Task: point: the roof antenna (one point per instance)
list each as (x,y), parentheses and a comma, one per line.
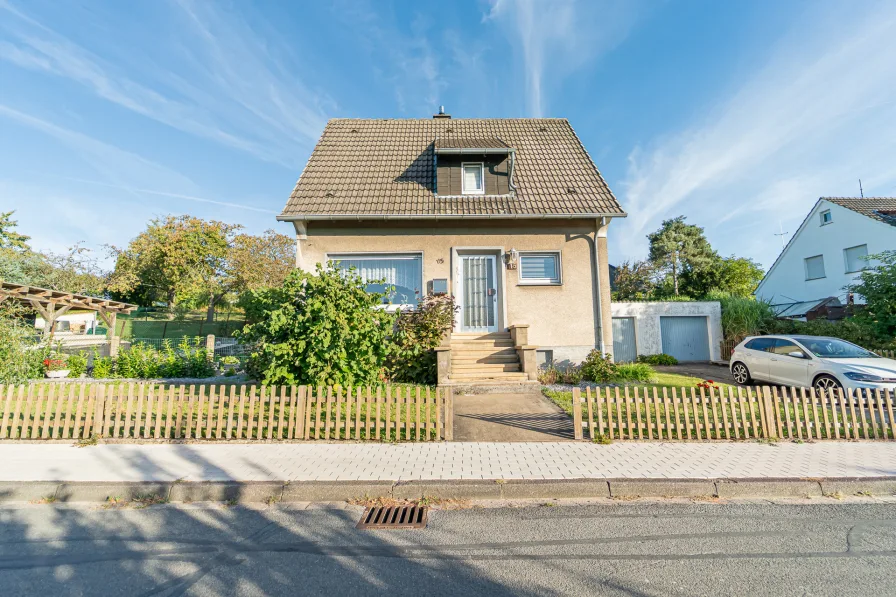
(782,234)
(861,192)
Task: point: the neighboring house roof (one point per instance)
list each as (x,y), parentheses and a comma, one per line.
(882,209)
(386,168)
(800,309)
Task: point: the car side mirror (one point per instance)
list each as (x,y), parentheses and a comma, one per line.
(796,354)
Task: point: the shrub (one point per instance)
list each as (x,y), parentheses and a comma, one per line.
(411,357)
(598,367)
(549,375)
(77,364)
(103,367)
(320,328)
(572,375)
(21,353)
(633,372)
(657,359)
(744,316)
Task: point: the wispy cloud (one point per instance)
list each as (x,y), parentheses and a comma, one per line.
(556,39)
(227,84)
(815,117)
(406,60)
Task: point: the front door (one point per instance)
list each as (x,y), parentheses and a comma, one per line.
(477,293)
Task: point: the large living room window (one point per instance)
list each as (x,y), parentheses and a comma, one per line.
(398,275)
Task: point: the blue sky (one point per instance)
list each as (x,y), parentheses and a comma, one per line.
(737,114)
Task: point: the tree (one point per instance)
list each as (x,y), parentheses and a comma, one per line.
(678,247)
(877,285)
(185,258)
(634,280)
(9,238)
(262,261)
(738,276)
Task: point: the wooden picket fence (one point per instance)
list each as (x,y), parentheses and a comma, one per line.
(732,414)
(151,411)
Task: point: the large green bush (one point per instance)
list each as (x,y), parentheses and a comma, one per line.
(877,285)
(320,328)
(598,367)
(21,354)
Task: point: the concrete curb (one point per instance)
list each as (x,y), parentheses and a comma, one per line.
(486,489)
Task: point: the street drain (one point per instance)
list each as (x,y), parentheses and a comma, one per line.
(394,517)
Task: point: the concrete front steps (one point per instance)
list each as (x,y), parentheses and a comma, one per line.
(485,359)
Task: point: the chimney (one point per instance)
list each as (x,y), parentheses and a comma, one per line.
(441,113)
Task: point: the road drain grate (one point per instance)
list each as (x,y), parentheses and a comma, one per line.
(394,517)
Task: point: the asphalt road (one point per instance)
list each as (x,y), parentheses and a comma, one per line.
(829,548)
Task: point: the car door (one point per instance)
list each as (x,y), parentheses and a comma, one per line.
(756,357)
(787,369)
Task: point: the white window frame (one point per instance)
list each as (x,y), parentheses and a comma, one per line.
(539,281)
(391,308)
(821,217)
(823,267)
(862,267)
(463,178)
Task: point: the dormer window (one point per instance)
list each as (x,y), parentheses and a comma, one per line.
(826,217)
(472,183)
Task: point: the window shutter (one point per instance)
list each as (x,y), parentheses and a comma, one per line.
(854,261)
(544,267)
(815,267)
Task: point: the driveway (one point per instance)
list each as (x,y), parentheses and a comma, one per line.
(704,371)
(526,417)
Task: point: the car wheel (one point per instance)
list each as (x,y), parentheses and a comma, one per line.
(823,383)
(741,374)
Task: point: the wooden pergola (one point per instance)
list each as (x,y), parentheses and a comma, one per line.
(50,304)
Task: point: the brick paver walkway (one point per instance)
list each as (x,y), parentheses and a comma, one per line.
(543,460)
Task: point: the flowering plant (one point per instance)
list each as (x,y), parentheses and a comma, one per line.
(54,364)
(705,385)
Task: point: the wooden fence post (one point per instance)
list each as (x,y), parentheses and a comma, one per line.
(577,413)
(449,414)
(210,347)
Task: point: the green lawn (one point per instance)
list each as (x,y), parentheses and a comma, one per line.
(563,399)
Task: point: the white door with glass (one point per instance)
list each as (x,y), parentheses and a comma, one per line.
(477,293)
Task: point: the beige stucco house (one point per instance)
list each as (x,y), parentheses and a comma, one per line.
(508,215)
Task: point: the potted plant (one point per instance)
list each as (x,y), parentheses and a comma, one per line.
(56,367)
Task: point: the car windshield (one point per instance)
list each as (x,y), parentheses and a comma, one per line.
(831,348)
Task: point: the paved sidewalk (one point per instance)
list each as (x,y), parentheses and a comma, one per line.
(368,462)
(523,417)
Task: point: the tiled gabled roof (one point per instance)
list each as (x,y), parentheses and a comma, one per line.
(383,168)
(882,209)
(455,142)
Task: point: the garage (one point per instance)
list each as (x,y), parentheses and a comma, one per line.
(685,337)
(624,348)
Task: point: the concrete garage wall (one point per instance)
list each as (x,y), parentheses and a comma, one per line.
(647,322)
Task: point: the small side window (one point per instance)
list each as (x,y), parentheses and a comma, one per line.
(472,183)
(540,268)
(826,217)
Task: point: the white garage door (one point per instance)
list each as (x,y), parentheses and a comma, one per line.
(685,338)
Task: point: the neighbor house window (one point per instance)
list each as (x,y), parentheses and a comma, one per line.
(826,217)
(815,267)
(397,275)
(473,181)
(540,268)
(854,258)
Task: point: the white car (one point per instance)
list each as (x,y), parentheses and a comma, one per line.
(810,361)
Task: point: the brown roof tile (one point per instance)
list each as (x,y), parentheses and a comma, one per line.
(882,209)
(386,167)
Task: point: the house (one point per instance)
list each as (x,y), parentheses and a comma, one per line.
(826,254)
(510,216)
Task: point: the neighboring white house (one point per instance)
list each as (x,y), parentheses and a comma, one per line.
(825,254)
